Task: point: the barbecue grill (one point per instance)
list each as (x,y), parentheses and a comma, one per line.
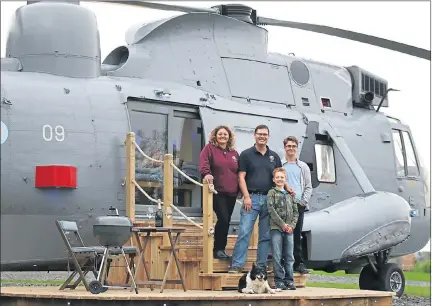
(112,232)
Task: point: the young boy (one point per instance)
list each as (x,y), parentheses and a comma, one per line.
(283,218)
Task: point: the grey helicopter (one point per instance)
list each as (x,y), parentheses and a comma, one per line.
(172,83)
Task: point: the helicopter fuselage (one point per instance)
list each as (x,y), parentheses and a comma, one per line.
(175,81)
(82,123)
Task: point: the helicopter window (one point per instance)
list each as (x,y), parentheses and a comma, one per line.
(412,168)
(151,132)
(186,144)
(151,137)
(325,163)
(397,144)
(325,102)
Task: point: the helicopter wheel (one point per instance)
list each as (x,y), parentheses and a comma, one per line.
(96,287)
(368,279)
(391,278)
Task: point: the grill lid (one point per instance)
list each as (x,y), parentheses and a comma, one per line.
(113,219)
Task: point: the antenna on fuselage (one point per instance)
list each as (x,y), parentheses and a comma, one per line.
(385,96)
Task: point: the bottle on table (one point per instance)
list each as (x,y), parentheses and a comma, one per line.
(159,215)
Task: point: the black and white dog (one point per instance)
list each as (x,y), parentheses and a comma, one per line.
(255,281)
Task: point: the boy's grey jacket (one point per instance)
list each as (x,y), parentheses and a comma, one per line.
(305,181)
(282,209)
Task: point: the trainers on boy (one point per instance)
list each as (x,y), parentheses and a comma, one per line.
(281,286)
(291,286)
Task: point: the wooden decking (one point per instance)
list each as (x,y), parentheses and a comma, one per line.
(37,296)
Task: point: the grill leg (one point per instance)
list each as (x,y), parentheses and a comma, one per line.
(108,270)
(134,286)
(102,266)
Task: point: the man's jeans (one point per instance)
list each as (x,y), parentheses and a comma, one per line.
(247,221)
(283,240)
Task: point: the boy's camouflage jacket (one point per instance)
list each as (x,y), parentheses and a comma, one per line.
(282,209)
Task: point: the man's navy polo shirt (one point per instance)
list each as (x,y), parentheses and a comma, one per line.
(259,168)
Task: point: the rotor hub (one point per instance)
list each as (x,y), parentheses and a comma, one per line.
(238,11)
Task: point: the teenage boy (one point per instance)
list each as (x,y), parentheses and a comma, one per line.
(283,218)
(299,178)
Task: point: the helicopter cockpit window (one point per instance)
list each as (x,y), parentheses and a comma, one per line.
(326,171)
(397,145)
(412,167)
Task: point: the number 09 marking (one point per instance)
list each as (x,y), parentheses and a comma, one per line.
(47,133)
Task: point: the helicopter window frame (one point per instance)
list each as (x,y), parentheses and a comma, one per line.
(173,111)
(329,155)
(399,151)
(408,139)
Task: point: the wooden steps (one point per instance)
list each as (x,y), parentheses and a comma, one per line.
(190,252)
(219,266)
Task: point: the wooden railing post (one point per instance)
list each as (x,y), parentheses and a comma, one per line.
(207,223)
(168,191)
(130,175)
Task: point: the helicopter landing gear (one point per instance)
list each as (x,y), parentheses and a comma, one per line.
(382,276)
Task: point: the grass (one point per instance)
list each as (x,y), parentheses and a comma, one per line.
(409,290)
(411,276)
(423,266)
(33,282)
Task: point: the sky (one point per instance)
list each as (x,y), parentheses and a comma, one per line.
(406,22)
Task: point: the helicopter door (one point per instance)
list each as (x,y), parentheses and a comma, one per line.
(161,129)
(407,167)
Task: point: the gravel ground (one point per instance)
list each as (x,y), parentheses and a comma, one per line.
(403,301)
(354,280)
(411,301)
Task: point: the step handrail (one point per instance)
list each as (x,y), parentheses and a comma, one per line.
(168,187)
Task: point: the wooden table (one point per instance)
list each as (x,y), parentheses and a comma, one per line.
(170,230)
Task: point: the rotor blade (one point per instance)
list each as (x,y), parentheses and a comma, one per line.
(161,6)
(372,40)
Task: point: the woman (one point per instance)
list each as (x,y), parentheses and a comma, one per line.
(219,166)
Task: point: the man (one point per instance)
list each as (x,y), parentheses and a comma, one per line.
(299,178)
(256,166)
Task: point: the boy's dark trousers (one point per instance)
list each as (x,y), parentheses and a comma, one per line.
(298,256)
